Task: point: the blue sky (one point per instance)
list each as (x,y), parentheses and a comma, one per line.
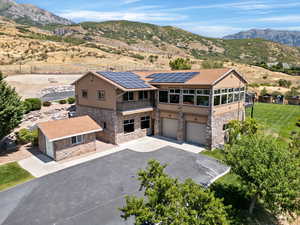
(214,18)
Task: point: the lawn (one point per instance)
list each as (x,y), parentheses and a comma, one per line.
(279,120)
(12,174)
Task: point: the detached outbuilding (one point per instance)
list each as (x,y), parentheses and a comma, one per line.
(60,139)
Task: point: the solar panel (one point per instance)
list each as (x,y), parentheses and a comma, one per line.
(180,77)
(127,80)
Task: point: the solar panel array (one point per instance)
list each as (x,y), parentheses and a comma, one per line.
(127,80)
(180,77)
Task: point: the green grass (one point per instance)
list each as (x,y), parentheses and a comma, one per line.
(278,120)
(12,174)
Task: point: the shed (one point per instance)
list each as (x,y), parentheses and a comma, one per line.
(60,139)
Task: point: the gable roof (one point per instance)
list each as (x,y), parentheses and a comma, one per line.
(60,129)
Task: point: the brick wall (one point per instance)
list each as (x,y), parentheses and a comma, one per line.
(64,149)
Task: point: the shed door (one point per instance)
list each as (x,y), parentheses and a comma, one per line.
(49,148)
(196,133)
(169,128)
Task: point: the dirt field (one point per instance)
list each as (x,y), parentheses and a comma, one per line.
(30,85)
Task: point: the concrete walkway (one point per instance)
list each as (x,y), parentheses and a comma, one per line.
(40,165)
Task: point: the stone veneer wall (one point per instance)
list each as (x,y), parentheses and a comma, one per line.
(101,116)
(217,122)
(138,132)
(42,141)
(64,148)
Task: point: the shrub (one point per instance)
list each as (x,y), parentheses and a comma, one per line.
(46,104)
(209,64)
(180,64)
(63,101)
(36,103)
(25,136)
(71,100)
(27,106)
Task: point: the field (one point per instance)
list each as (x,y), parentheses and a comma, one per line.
(277,120)
(12,174)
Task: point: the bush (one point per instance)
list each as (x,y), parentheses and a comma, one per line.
(180,64)
(71,100)
(46,104)
(209,64)
(36,103)
(25,136)
(27,106)
(63,101)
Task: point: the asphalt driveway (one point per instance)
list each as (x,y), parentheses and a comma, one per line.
(92,192)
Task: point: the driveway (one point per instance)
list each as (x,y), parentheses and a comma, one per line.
(92,192)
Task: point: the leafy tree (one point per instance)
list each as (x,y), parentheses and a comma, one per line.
(284,83)
(263,92)
(180,64)
(210,64)
(269,171)
(238,128)
(11,108)
(169,202)
(293,92)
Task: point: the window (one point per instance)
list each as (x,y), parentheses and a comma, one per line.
(203,100)
(128,96)
(84,93)
(104,125)
(217,99)
(242,96)
(188,97)
(143,95)
(236,96)
(225,126)
(128,126)
(145,122)
(224,99)
(174,95)
(101,95)
(163,96)
(230,98)
(76,139)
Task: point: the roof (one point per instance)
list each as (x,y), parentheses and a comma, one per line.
(203,76)
(60,129)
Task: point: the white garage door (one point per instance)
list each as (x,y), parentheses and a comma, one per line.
(169,128)
(196,133)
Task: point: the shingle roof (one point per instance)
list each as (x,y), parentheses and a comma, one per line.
(59,129)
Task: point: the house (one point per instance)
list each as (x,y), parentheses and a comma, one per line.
(188,106)
(267,98)
(60,139)
(295,100)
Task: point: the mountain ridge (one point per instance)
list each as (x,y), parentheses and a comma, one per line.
(29,14)
(286,37)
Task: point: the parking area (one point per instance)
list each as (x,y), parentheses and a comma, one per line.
(91,192)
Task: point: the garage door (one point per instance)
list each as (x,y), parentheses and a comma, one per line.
(169,128)
(196,133)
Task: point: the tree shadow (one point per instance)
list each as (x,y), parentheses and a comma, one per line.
(235,195)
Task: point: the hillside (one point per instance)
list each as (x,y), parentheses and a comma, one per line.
(291,38)
(29,14)
(169,40)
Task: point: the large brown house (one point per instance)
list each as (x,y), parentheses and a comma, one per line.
(189,106)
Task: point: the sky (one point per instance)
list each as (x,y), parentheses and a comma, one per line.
(212,18)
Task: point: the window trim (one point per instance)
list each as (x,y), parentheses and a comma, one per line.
(86,91)
(99,94)
(77,142)
(174,93)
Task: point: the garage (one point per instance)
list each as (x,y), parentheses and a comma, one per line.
(196,133)
(169,128)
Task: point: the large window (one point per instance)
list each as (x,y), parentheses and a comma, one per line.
(228,95)
(128,96)
(145,122)
(202,96)
(101,95)
(128,126)
(188,97)
(76,140)
(163,96)
(143,95)
(174,96)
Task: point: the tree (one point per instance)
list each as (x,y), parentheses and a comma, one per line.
(11,108)
(180,64)
(269,171)
(167,201)
(263,92)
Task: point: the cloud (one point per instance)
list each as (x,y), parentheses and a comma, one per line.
(114,15)
(280,19)
(130,1)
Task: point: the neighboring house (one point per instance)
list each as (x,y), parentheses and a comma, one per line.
(189,106)
(60,139)
(295,100)
(267,98)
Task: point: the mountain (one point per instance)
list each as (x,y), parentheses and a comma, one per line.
(29,14)
(291,38)
(168,40)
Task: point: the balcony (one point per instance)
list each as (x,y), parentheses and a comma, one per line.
(132,105)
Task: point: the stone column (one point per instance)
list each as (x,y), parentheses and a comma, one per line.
(157,122)
(181,127)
